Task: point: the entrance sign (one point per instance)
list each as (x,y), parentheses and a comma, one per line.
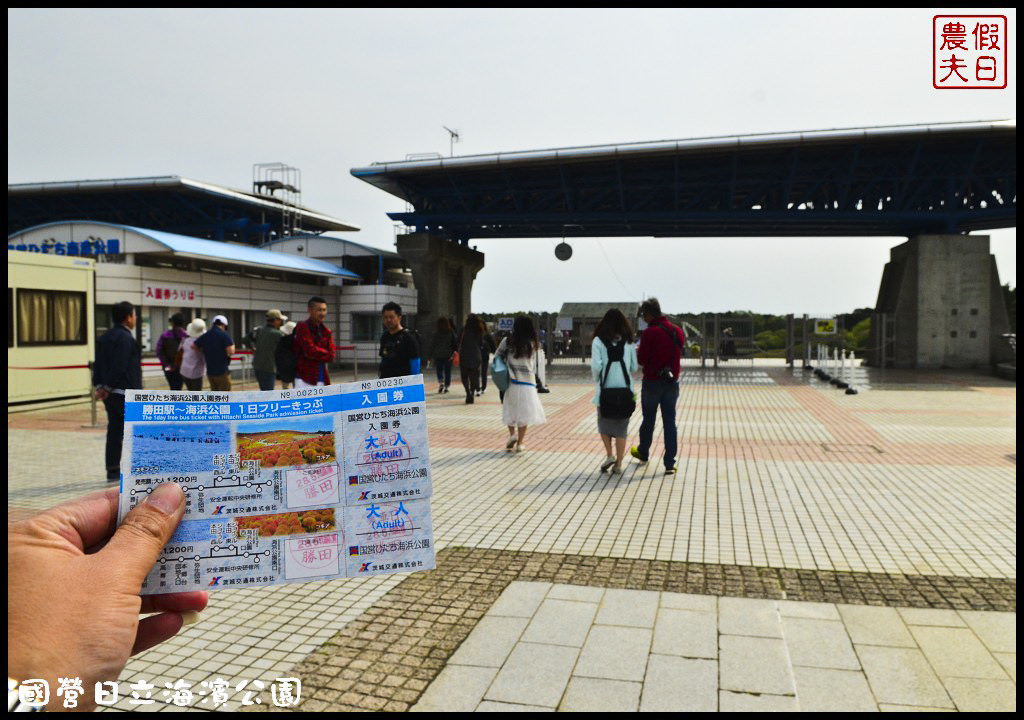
(284,486)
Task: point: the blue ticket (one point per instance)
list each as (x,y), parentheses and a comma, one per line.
(284,486)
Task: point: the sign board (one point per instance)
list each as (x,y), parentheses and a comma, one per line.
(825,326)
(505,324)
(170,294)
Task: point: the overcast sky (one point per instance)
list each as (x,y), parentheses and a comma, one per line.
(207,93)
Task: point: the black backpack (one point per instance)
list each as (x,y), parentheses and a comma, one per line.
(169,352)
(616,403)
(284,358)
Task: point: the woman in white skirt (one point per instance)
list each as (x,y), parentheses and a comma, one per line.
(521,406)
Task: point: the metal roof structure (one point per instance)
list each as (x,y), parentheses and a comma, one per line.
(897,180)
(216,251)
(346,247)
(169,203)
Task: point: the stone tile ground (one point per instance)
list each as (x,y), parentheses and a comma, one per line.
(896,501)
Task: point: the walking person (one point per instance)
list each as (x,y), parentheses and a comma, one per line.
(470,355)
(612,361)
(660,354)
(267,339)
(521,406)
(487,348)
(193,364)
(442,349)
(284,356)
(399,347)
(118,367)
(314,346)
(167,351)
(217,348)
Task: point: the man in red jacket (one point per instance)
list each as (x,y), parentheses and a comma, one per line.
(314,346)
(660,354)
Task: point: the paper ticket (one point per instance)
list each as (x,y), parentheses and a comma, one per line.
(284,486)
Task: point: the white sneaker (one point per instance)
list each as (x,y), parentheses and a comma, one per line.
(608,462)
(510,443)
(520,448)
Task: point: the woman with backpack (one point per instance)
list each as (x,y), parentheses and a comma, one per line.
(521,406)
(612,362)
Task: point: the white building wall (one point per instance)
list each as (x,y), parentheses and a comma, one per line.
(369,299)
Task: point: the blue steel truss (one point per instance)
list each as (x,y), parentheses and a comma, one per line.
(926,179)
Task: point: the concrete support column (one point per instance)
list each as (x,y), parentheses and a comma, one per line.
(443,273)
(944,294)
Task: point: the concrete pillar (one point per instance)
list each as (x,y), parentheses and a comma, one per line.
(443,273)
(944,294)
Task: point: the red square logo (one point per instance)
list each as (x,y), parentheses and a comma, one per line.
(969,52)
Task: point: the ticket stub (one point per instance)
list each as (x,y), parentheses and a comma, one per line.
(284,486)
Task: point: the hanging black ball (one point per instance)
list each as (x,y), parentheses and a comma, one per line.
(563,251)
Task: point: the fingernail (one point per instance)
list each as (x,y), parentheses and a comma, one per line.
(189,618)
(167,497)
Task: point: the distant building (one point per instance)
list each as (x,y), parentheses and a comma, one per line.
(172,244)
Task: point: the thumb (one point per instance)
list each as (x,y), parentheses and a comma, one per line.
(136,545)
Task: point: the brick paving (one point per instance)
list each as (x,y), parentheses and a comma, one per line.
(903,495)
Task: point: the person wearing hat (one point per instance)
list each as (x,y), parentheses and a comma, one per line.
(217,348)
(267,339)
(192,364)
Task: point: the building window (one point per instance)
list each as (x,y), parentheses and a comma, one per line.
(103,318)
(366,327)
(47,317)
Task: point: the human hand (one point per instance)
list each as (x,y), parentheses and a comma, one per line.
(73,580)
(102,393)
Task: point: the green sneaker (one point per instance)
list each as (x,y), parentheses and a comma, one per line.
(635,452)
(670,470)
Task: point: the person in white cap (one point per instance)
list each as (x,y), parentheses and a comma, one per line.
(192,363)
(217,347)
(267,339)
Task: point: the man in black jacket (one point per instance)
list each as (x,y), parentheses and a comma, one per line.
(118,367)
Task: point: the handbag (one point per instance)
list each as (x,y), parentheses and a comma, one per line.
(458,344)
(616,403)
(499,373)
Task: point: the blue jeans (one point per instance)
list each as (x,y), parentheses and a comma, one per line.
(444,371)
(653,395)
(265,379)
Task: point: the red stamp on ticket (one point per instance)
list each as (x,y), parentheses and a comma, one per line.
(969,52)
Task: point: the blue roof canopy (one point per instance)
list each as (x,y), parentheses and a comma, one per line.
(198,248)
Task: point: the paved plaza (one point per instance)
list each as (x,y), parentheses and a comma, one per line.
(815,551)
